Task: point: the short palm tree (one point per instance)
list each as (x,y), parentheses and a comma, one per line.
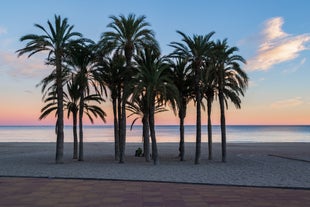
(183,79)
(230,79)
(128,36)
(154,81)
(139,108)
(72,106)
(55,40)
(70,103)
(209,92)
(196,50)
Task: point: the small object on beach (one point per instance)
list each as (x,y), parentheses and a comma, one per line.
(138,152)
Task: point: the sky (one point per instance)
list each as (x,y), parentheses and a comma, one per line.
(272,35)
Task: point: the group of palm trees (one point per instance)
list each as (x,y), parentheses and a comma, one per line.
(127,61)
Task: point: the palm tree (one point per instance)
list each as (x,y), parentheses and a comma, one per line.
(70,103)
(210,97)
(55,40)
(196,50)
(129,35)
(73,108)
(111,70)
(209,92)
(82,58)
(139,108)
(231,80)
(154,81)
(183,80)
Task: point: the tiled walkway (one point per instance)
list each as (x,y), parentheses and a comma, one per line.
(31,192)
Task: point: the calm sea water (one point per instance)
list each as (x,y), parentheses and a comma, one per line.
(163,134)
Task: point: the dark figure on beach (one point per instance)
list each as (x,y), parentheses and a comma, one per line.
(138,152)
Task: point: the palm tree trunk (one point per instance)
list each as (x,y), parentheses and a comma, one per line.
(81,110)
(119,110)
(181,147)
(122,129)
(75,137)
(60,117)
(146,137)
(116,129)
(153,135)
(209,103)
(182,112)
(222,109)
(223,126)
(198,117)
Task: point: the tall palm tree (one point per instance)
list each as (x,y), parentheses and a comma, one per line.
(129,35)
(195,49)
(230,79)
(111,70)
(55,40)
(183,80)
(154,81)
(81,58)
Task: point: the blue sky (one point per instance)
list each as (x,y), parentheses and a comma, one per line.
(273,36)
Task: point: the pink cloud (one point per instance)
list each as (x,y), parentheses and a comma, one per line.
(277,46)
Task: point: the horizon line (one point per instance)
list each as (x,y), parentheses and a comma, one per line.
(139,125)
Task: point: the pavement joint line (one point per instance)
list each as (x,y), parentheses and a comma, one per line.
(289,158)
(154,181)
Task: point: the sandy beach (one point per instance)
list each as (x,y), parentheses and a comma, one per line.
(248,164)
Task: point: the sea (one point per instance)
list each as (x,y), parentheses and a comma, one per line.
(164,133)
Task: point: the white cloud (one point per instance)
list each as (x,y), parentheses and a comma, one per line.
(292,102)
(277,46)
(3,30)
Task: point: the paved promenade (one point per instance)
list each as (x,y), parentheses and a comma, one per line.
(45,192)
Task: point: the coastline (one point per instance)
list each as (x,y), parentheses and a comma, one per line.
(248,164)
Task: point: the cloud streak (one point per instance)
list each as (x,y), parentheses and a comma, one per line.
(287,103)
(277,46)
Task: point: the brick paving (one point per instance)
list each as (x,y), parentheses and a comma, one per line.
(45,192)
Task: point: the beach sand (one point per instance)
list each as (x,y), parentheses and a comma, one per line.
(248,164)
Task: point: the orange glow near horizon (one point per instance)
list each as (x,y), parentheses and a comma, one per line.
(245,116)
